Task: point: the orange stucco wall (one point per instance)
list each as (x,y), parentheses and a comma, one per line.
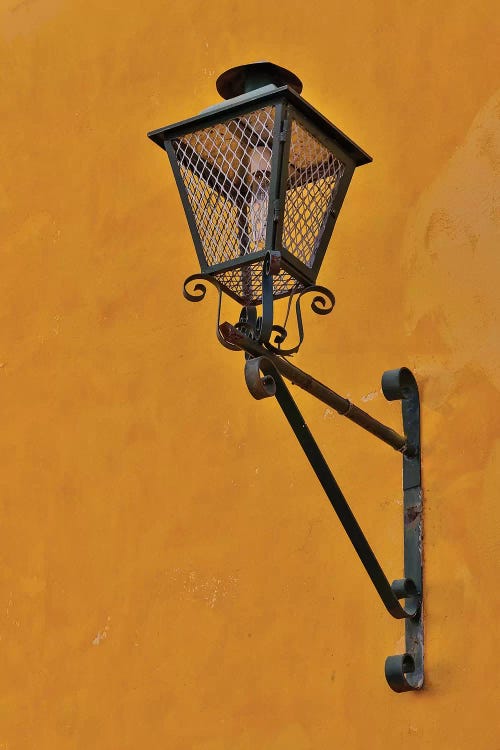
(169,578)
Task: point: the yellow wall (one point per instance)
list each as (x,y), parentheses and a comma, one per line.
(169,578)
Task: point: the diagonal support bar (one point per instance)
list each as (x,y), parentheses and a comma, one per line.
(396,384)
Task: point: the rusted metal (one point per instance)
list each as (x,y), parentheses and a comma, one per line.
(263,381)
(404,672)
(341,405)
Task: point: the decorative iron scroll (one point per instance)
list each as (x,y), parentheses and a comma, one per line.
(261,327)
(200,291)
(322,304)
(404,672)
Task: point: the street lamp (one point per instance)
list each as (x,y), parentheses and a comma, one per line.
(262,177)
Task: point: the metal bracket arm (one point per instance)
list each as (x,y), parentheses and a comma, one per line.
(251,334)
(236,339)
(403,672)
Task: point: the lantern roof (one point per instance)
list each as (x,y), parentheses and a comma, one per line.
(245,78)
(245,102)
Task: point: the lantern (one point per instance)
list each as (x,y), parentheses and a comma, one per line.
(260,175)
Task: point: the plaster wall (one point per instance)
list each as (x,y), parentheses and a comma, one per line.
(170,574)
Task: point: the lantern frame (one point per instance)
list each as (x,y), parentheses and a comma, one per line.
(289,107)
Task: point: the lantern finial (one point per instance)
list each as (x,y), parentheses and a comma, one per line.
(245,78)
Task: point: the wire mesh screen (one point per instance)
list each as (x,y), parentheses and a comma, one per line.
(226,169)
(314,174)
(246,283)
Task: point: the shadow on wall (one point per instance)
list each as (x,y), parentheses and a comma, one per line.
(452,259)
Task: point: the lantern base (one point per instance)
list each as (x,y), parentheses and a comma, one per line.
(260,328)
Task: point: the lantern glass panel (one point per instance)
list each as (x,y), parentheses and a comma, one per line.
(314,175)
(226,171)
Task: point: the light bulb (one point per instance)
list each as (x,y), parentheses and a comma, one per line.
(260,164)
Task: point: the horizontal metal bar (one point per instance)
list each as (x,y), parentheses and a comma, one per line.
(298,377)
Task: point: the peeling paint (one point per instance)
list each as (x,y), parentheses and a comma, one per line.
(197,586)
(102,634)
(370,396)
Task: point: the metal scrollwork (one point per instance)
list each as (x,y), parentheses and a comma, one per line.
(198,294)
(263,374)
(322,304)
(405,671)
(248,321)
(261,327)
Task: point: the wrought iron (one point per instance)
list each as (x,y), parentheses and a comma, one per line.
(262,178)
(265,367)
(406,671)
(261,173)
(242,200)
(403,672)
(245,78)
(198,294)
(261,327)
(314,175)
(237,336)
